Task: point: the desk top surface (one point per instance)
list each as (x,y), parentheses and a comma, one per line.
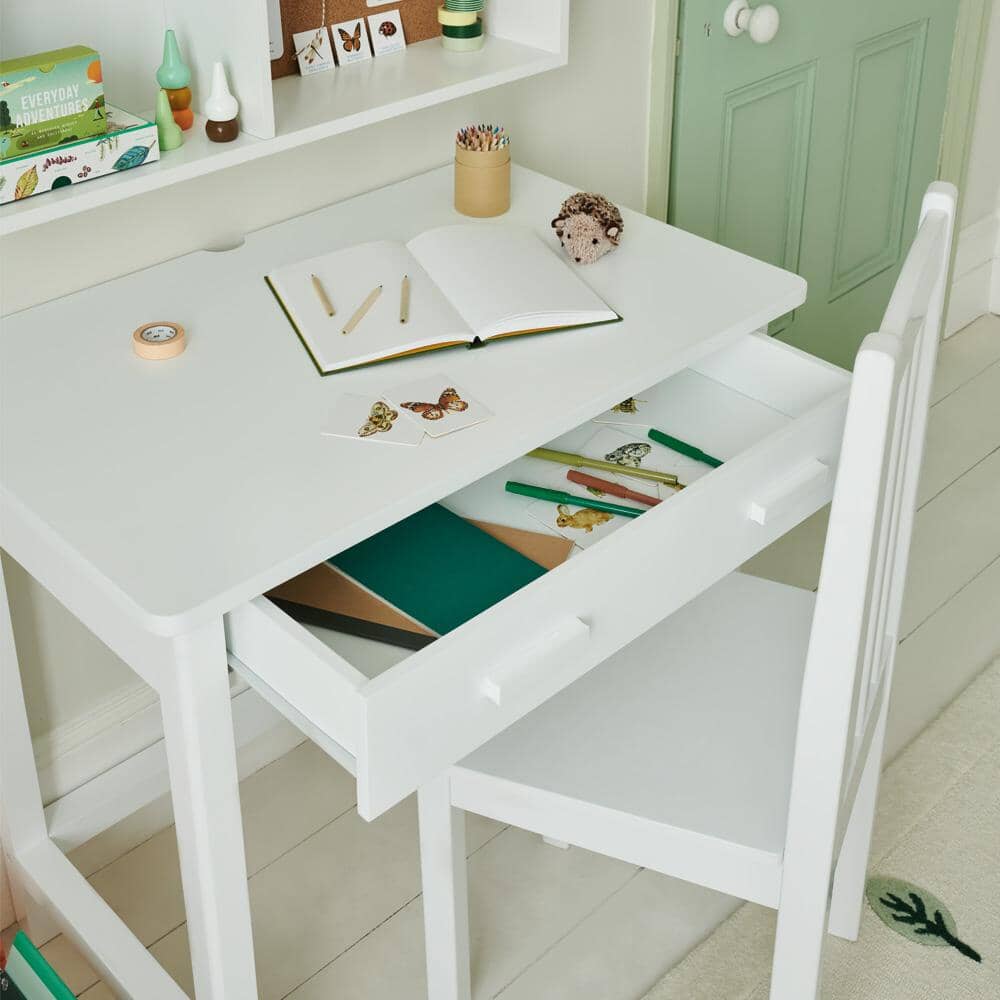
(186,487)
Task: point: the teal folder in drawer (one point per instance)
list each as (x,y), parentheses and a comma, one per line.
(437,568)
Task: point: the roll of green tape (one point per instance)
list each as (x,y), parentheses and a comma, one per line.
(462,44)
(463,30)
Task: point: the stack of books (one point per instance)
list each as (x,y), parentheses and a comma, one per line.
(55,128)
(27,976)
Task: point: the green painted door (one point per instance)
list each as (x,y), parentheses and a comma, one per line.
(812,151)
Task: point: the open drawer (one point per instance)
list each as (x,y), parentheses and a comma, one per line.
(397,718)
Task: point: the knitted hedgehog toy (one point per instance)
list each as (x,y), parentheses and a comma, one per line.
(588,226)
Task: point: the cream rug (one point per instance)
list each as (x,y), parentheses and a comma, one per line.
(937,836)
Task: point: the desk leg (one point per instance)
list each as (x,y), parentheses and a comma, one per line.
(22,818)
(198,729)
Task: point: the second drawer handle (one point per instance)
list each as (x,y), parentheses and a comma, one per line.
(784,494)
(501,679)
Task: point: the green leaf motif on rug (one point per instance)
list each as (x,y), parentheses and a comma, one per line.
(915,913)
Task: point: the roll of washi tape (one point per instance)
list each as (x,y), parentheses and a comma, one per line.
(462,44)
(455,18)
(463,30)
(159,341)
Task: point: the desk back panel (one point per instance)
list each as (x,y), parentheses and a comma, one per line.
(419,22)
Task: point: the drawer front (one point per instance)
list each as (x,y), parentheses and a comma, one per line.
(441,703)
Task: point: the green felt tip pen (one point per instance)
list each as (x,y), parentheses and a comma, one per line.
(558,496)
(683,448)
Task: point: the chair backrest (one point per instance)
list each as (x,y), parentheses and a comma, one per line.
(855,627)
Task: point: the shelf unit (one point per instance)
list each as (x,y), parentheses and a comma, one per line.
(526,37)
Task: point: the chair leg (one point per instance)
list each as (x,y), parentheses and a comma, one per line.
(852,866)
(446,902)
(798,945)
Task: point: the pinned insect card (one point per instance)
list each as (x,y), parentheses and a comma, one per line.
(350,40)
(363,418)
(436,405)
(387,34)
(312,49)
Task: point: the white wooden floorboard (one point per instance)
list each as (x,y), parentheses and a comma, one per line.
(623,948)
(966,354)
(964,427)
(524,897)
(956,536)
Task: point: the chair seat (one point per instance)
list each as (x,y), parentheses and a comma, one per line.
(688,730)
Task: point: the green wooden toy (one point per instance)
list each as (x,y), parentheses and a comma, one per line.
(167,130)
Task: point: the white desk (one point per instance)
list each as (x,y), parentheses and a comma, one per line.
(152,499)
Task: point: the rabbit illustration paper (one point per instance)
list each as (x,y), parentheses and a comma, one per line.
(580,525)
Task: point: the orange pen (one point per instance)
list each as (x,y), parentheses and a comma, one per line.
(615,489)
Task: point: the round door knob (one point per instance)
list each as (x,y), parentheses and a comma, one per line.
(761,23)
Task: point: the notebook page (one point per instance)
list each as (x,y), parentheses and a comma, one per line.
(505,279)
(348,276)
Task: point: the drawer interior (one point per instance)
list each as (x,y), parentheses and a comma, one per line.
(725,404)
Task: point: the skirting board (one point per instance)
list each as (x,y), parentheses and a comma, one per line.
(130,780)
(975,286)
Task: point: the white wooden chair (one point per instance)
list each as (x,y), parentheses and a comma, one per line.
(738,743)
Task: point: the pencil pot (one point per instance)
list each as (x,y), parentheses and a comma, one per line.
(482,182)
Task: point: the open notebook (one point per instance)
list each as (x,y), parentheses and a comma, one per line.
(469,284)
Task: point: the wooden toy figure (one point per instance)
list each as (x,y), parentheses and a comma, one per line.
(221,108)
(173,76)
(168,132)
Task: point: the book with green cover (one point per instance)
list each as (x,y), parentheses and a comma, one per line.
(32,974)
(437,568)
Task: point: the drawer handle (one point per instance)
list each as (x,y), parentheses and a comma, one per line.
(501,679)
(784,494)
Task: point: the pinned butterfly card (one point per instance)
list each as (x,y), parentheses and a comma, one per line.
(351,42)
(436,405)
(312,49)
(364,418)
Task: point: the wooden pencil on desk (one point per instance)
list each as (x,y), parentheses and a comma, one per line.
(404,299)
(322,296)
(359,314)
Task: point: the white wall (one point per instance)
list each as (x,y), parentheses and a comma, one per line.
(586,124)
(976,276)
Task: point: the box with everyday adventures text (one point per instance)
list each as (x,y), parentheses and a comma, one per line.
(128,142)
(50,99)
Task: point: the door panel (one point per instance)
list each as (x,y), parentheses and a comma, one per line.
(885,90)
(812,151)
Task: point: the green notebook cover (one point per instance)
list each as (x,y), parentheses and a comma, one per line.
(437,568)
(32,973)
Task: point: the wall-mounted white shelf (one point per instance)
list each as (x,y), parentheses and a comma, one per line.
(527,37)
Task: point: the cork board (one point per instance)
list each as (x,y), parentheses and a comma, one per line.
(419,22)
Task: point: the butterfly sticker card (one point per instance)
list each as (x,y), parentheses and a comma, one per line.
(351,42)
(386,30)
(364,418)
(312,49)
(437,405)
(633,452)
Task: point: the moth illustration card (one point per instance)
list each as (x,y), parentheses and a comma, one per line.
(351,42)
(312,49)
(633,452)
(367,418)
(437,405)
(386,30)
